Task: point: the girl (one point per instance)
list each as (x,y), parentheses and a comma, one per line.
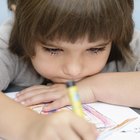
(59,40)
(85,41)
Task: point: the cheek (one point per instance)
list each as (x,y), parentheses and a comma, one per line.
(97,64)
(104,57)
(43,67)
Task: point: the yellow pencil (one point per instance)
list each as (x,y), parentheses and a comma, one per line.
(74,98)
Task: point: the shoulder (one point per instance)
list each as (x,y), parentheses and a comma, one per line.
(5,31)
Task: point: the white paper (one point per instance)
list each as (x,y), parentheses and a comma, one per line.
(129,132)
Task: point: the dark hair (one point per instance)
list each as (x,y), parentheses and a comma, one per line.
(10,2)
(42,20)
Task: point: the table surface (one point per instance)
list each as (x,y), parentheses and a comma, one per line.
(136,110)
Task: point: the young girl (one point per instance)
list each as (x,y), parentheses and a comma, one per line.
(84,41)
(59,40)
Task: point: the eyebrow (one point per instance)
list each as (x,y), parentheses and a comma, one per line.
(49,44)
(98,45)
(102,44)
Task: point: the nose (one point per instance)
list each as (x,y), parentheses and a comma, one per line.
(73,68)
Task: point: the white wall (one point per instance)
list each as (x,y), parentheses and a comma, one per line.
(4,13)
(136,14)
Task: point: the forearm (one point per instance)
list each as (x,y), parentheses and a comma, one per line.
(14,119)
(117,88)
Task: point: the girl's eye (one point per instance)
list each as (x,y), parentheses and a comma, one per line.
(96,50)
(53,51)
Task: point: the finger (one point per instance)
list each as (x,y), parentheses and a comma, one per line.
(32,91)
(82,128)
(49,134)
(33,100)
(50,93)
(30,94)
(32,88)
(61,102)
(64,118)
(69,134)
(88,132)
(41,98)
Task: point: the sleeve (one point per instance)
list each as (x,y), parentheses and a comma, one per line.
(7,60)
(137,66)
(135,46)
(4,77)
(7,65)
(6,69)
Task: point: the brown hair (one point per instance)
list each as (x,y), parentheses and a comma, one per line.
(42,20)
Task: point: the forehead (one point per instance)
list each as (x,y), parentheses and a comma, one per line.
(82,42)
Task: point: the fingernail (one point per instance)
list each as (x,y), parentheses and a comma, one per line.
(45,109)
(48,110)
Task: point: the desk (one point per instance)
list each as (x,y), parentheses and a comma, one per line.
(136,110)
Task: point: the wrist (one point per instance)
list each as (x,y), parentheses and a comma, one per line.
(86,91)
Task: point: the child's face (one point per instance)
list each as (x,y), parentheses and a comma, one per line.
(61,61)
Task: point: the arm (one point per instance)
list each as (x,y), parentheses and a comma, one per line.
(122,88)
(19,123)
(14,118)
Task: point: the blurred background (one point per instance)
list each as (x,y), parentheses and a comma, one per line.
(5,13)
(136,14)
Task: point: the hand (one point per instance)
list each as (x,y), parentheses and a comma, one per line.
(41,93)
(84,90)
(57,94)
(62,125)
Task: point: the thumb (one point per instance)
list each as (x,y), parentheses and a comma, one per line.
(59,103)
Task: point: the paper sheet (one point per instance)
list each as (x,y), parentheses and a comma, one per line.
(130,132)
